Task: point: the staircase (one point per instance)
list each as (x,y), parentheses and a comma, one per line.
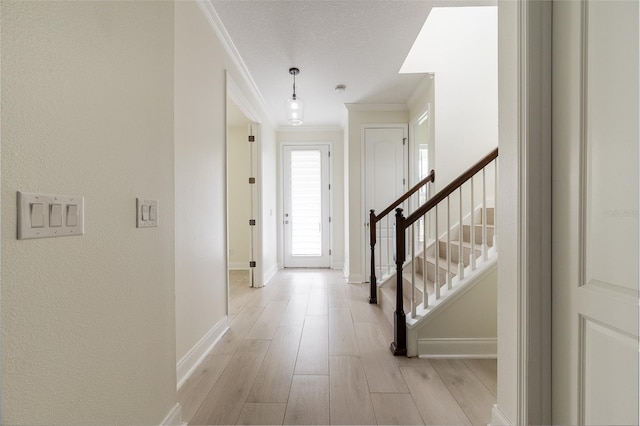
(457,260)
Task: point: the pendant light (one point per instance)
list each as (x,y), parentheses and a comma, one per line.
(294,107)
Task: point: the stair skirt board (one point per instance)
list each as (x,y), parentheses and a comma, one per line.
(188,364)
(458,348)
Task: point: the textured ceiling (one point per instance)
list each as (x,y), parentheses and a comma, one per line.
(359,43)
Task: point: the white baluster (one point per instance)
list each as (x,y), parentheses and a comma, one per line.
(413,272)
(472,229)
(460,245)
(388,247)
(495,206)
(448,244)
(425,295)
(379,236)
(436,273)
(484,215)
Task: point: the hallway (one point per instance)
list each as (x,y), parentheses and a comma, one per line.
(309,349)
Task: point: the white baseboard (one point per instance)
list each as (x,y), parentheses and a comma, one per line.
(270,274)
(238,266)
(187,365)
(174,418)
(498,418)
(458,348)
(337,266)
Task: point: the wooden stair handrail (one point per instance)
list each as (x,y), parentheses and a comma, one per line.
(447,190)
(430,178)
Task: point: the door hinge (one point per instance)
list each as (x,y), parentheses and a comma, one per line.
(252,222)
(329,252)
(404,181)
(252,180)
(329,187)
(329,219)
(329,153)
(252,264)
(404,141)
(252,138)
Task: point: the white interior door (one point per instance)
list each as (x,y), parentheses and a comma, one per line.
(385,165)
(306,206)
(595,213)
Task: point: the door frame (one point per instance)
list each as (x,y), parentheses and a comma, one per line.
(364,213)
(234,92)
(281,203)
(524,68)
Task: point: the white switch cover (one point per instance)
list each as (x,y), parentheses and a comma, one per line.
(41,215)
(147,213)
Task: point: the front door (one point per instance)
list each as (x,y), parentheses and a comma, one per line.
(595,212)
(306,206)
(385,165)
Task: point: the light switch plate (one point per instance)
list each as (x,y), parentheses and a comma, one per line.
(41,228)
(146,213)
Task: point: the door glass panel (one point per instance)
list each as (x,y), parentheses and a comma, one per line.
(306,203)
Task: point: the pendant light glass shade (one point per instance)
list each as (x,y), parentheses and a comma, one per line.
(294,107)
(295,110)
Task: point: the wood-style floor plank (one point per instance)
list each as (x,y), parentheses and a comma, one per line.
(296,311)
(434,401)
(383,374)
(308,401)
(317,301)
(470,393)
(395,409)
(195,389)
(342,335)
(227,397)
(487,372)
(350,400)
(266,325)
(313,354)
(238,329)
(274,378)
(262,414)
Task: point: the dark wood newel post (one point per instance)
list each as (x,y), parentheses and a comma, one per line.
(373,293)
(399,345)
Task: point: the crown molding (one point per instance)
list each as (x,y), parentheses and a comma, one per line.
(311,129)
(214,20)
(377,107)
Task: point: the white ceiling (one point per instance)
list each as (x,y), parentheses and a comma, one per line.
(359,43)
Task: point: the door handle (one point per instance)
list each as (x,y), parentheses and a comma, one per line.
(286,222)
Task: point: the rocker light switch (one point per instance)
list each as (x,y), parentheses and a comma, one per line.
(147,213)
(55,215)
(44,215)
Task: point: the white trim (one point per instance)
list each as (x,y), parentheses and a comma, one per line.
(174,417)
(188,364)
(461,347)
(377,107)
(216,24)
(270,274)
(239,266)
(311,129)
(498,418)
(338,266)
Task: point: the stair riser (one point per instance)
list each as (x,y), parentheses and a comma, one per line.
(490,216)
(442,276)
(455,253)
(406,288)
(478,237)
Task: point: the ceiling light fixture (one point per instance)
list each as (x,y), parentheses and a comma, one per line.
(340,88)
(294,107)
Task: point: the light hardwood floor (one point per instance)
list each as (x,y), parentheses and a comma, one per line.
(309,349)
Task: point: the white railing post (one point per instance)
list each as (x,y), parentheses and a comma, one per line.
(425,295)
(472,230)
(448,244)
(388,248)
(460,242)
(484,215)
(380,266)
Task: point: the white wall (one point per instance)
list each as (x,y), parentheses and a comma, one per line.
(335,138)
(473,316)
(87,109)
(201,65)
(460,48)
(359,115)
(238,154)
